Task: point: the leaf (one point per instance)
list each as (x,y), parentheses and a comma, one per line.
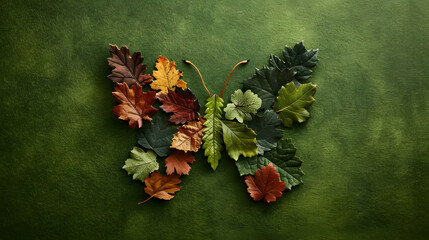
(266,83)
(167,76)
(213,132)
(282,157)
(134,104)
(178,161)
(242,106)
(267,130)
(181,103)
(156,136)
(141,164)
(162,186)
(239,139)
(127,69)
(291,103)
(189,137)
(301,60)
(265,184)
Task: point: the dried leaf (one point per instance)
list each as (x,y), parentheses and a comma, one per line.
(127,69)
(162,186)
(167,76)
(134,104)
(189,136)
(181,103)
(178,161)
(141,163)
(265,184)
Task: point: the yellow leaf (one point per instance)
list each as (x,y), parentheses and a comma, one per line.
(167,76)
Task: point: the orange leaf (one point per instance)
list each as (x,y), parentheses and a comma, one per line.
(161,186)
(134,104)
(167,76)
(179,161)
(188,138)
(265,184)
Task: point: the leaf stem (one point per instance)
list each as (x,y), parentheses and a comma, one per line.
(145,200)
(224,86)
(189,62)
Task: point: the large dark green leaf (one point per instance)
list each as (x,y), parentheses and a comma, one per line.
(267,128)
(298,58)
(156,135)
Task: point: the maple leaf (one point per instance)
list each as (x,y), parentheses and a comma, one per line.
(282,157)
(127,69)
(239,139)
(157,136)
(267,130)
(161,186)
(291,103)
(141,163)
(189,136)
(178,161)
(242,105)
(181,103)
(167,76)
(213,132)
(134,104)
(266,83)
(265,184)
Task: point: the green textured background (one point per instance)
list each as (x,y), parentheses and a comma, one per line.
(366,147)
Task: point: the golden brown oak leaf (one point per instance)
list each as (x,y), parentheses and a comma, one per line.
(134,104)
(178,161)
(127,69)
(265,184)
(189,136)
(167,76)
(161,186)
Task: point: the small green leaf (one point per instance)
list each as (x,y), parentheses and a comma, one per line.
(156,135)
(267,130)
(213,133)
(239,139)
(291,103)
(301,60)
(141,163)
(242,106)
(282,157)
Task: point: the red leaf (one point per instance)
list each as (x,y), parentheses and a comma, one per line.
(179,161)
(181,103)
(134,104)
(265,184)
(127,69)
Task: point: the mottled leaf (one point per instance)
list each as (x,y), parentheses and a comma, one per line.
(239,139)
(213,132)
(141,163)
(157,136)
(181,103)
(242,105)
(267,130)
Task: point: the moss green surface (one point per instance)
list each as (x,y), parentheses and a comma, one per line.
(366,147)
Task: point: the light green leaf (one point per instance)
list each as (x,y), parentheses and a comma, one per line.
(239,139)
(242,105)
(141,163)
(213,133)
(282,157)
(291,103)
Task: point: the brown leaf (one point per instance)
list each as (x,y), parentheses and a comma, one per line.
(167,76)
(134,104)
(188,138)
(127,69)
(179,161)
(181,103)
(161,186)
(265,184)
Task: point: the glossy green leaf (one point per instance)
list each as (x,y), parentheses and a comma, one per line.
(156,135)
(213,133)
(300,59)
(268,131)
(239,139)
(242,105)
(282,157)
(141,163)
(291,103)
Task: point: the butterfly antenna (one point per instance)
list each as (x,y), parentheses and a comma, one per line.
(189,62)
(224,86)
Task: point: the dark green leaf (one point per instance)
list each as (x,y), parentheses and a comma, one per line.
(156,135)
(267,128)
(301,60)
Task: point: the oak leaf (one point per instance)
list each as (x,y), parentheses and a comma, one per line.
(189,136)
(127,69)
(181,103)
(167,76)
(265,184)
(134,104)
(161,186)
(178,161)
